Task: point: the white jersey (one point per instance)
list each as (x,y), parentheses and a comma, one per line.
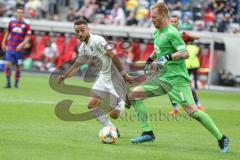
(96,47)
(109,80)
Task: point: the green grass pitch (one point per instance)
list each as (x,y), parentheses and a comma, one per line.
(29,129)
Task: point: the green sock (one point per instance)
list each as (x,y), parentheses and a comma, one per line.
(208,123)
(142,114)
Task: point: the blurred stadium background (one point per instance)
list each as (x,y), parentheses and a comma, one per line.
(127,25)
(28,126)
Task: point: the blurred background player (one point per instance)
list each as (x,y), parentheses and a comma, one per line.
(15,38)
(49,56)
(192,62)
(1,38)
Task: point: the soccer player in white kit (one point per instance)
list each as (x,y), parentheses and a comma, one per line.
(112,76)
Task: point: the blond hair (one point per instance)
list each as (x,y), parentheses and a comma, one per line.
(161,8)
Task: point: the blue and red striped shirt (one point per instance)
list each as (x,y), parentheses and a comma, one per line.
(17,31)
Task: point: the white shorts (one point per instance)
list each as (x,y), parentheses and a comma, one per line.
(115,89)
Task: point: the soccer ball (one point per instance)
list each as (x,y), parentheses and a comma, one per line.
(108,135)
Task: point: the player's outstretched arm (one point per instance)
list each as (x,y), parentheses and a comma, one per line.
(21,45)
(147,65)
(172,57)
(180,55)
(4,40)
(153,56)
(71,71)
(119,66)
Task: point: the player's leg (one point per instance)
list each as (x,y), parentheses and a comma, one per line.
(114,113)
(209,124)
(17,75)
(116,108)
(195,97)
(196,100)
(187,102)
(9,59)
(99,93)
(117,94)
(195,78)
(136,97)
(175,110)
(150,88)
(204,119)
(94,106)
(116,88)
(19,62)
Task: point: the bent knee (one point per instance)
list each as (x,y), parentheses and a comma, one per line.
(93,103)
(115,114)
(137,94)
(190,109)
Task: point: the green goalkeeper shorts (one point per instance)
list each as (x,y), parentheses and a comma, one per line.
(179,90)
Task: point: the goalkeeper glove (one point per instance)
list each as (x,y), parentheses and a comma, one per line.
(148,66)
(163,60)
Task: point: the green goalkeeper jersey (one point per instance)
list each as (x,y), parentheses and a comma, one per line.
(169,41)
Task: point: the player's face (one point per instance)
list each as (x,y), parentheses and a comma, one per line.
(82,32)
(174,21)
(157,19)
(20,14)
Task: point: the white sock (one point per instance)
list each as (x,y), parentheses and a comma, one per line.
(101,117)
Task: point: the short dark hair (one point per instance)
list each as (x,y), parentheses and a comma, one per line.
(175,16)
(20,7)
(80,21)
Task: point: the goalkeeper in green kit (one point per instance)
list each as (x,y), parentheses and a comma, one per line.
(172,78)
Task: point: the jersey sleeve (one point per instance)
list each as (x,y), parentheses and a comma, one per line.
(177,41)
(28,30)
(80,51)
(102,45)
(9,26)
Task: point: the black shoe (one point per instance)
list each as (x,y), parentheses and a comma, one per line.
(145,137)
(7,86)
(16,86)
(223,144)
(150,133)
(118,133)
(127,103)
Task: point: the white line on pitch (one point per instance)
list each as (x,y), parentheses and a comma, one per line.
(32,101)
